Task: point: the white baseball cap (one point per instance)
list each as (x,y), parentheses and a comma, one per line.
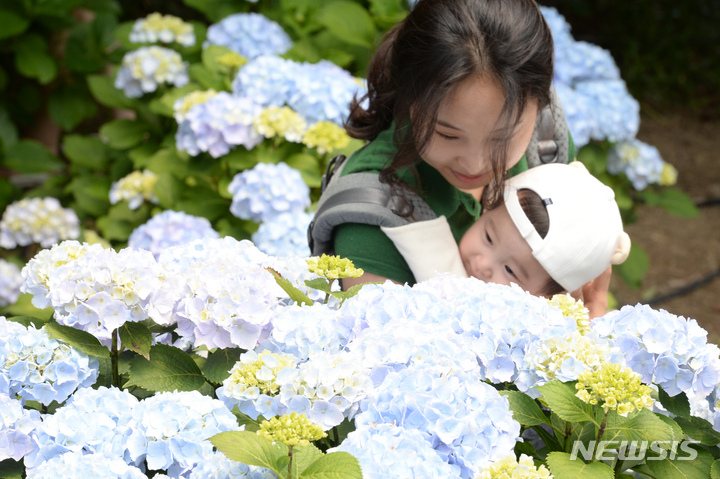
(585,233)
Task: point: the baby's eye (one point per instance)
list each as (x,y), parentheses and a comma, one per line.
(510,271)
(447,137)
(487,237)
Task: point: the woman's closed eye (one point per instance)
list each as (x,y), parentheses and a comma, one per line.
(447,137)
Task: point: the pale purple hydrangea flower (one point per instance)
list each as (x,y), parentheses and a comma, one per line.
(170,228)
(79,464)
(250,35)
(146,68)
(37,368)
(665,349)
(10,282)
(394,452)
(284,234)
(93,421)
(268,80)
(266,190)
(217,466)
(37,220)
(640,162)
(617,113)
(16,428)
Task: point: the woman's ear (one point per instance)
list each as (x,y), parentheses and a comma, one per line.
(622,251)
(579,165)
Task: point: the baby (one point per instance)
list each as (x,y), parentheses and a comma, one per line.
(558,229)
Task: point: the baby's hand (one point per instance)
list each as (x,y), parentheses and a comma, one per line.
(595,294)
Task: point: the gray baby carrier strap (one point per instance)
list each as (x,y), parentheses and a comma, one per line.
(359,198)
(362,198)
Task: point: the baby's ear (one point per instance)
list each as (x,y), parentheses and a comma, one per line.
(579,165)
(622,251)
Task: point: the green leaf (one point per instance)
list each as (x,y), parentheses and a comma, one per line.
(349,22)
(674,201)
(165,104)
(169,369)
(24,307)
(308,166)
(244,420)
(9,468)
(336,465)
(643,426)
(240,159)
(28,156)
(678,405)
(218,365)
(114,229)
(303,457)
(136,337)
(81,340)
(682,466)
(14,19)
(8,130)
(123,134)
(210,55)
(33,60)
(564,466)
(249,448)
(85,51)
(633,270)
(203,202)
(208,79)
(524,408)
(68,106)
(28,321)
(699,429)
(715,470)
(106,94)
(560,397)
(91,194)
(85,151)
(321,284)
(167,189)
(167,160)
(295,294)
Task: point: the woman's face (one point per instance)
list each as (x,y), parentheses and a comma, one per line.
(460,145)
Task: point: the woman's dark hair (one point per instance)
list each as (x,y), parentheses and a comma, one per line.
(437,46)
(536,212)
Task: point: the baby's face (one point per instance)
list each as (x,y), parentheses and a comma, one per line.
(493,251)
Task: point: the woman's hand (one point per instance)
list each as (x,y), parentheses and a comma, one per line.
(595,293)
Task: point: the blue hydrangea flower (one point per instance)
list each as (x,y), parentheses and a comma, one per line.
(250,35)
(578,114)
(617,112)
(665,349)
(640,162)
(394,452)
(218,466)
(170,228)
(170,430)
(266,190)
(318,92)
(79,464)
(217,125)
(93,421)
(559,27)
(466,420)
(38,368)
(16,427)
(284,234)
(10,282)
(580,61)
(37,220)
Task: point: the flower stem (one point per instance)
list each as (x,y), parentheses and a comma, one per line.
(290,451)
(115,359)
(601,431)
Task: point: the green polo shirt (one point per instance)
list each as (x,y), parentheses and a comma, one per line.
(367,246)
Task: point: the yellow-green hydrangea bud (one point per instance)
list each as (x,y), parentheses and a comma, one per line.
(333,267)
(291,429)
(550,355)
(326,136)
(576,309)
(184,104)
(165,28)
(511,468)
(669,175)
(614,387)
(260,373)
(280,121)
(232,60)
(134,188)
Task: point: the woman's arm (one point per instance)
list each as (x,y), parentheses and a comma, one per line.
(348,283)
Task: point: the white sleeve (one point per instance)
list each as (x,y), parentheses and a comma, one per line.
(428,248)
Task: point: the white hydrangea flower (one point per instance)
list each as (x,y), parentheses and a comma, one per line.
(37,220)
(10,282)
(135,188)
(144,69)
(16,426)
(163,28)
